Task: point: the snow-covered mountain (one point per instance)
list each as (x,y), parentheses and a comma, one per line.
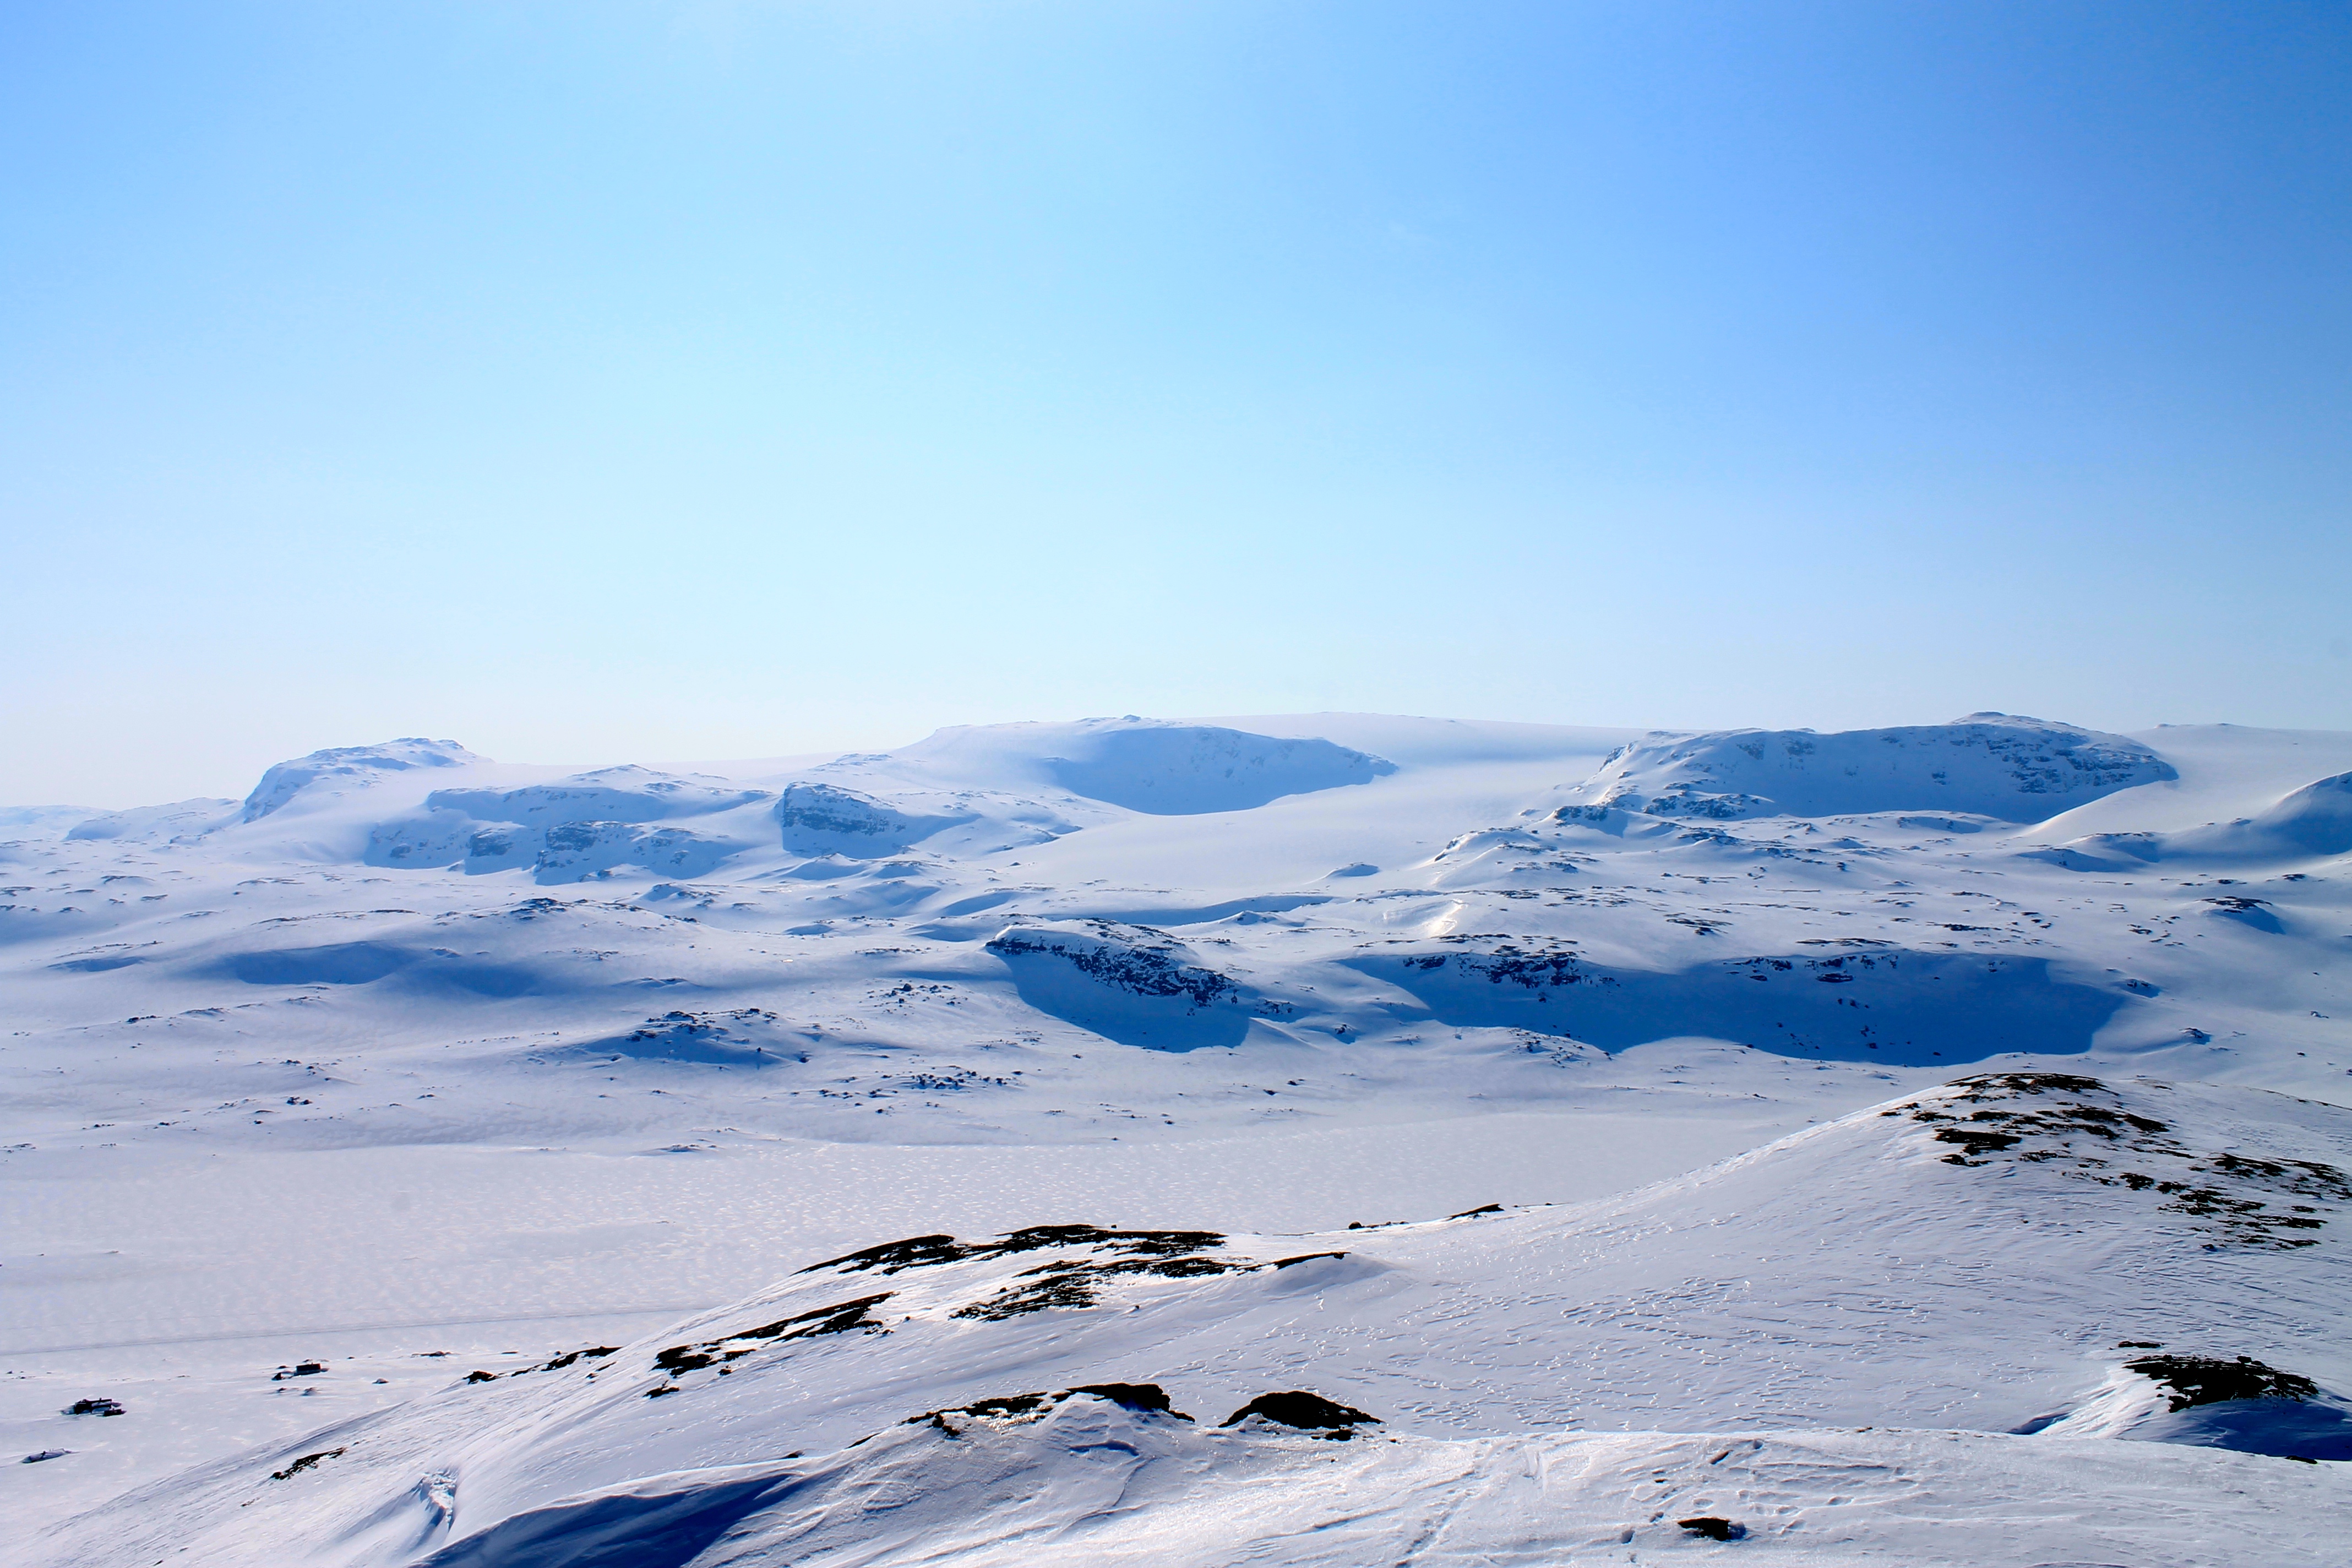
(1987,765)
(1887,1080)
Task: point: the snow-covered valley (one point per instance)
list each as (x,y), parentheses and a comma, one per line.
(1898,1139)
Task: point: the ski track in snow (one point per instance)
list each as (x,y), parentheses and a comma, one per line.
(415,1064)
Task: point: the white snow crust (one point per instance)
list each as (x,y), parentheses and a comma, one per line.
(1860,1109)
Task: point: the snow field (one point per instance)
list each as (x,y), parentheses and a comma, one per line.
(415,1051)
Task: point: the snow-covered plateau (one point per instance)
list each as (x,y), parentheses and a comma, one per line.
(1327,1139)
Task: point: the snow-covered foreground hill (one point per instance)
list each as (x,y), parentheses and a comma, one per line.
(2021,1274)
(414,1066)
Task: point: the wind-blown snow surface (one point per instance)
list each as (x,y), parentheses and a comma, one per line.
(416,1052)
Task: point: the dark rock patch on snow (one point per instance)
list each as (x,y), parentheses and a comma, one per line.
(1141,1399)
(1134,959)
(2209,1380)
(2254,913)
(305,1462)
(921,1250)
(841,1318)
(2053,1119)
(1296,1407)
(2243,1404)
(1075,1283)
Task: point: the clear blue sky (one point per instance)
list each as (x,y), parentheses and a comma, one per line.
(597,382)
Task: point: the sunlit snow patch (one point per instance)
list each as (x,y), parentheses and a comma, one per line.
(1991,764)
(348,768)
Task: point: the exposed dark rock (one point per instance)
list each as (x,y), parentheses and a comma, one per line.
(1712,1528)
(838,1318)
(593,1352)
(2209,1380)
(2032,1082)
(1296,1407)
(1145,1398)
(893,1255)
(920,1251)
(1976,1142)
(1131,1397)
(304,1463)
(1074,1283)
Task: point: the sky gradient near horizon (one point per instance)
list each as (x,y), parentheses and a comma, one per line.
(607,381)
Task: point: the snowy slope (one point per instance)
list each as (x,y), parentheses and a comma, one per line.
(1835,1281)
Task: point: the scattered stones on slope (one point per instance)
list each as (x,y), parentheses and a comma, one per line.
(2047,1119)
(1131,958)
(1075,1283)
(1063,1281)
(591,1353)
(838,1318)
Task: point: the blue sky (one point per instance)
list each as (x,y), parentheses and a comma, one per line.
(599,381)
